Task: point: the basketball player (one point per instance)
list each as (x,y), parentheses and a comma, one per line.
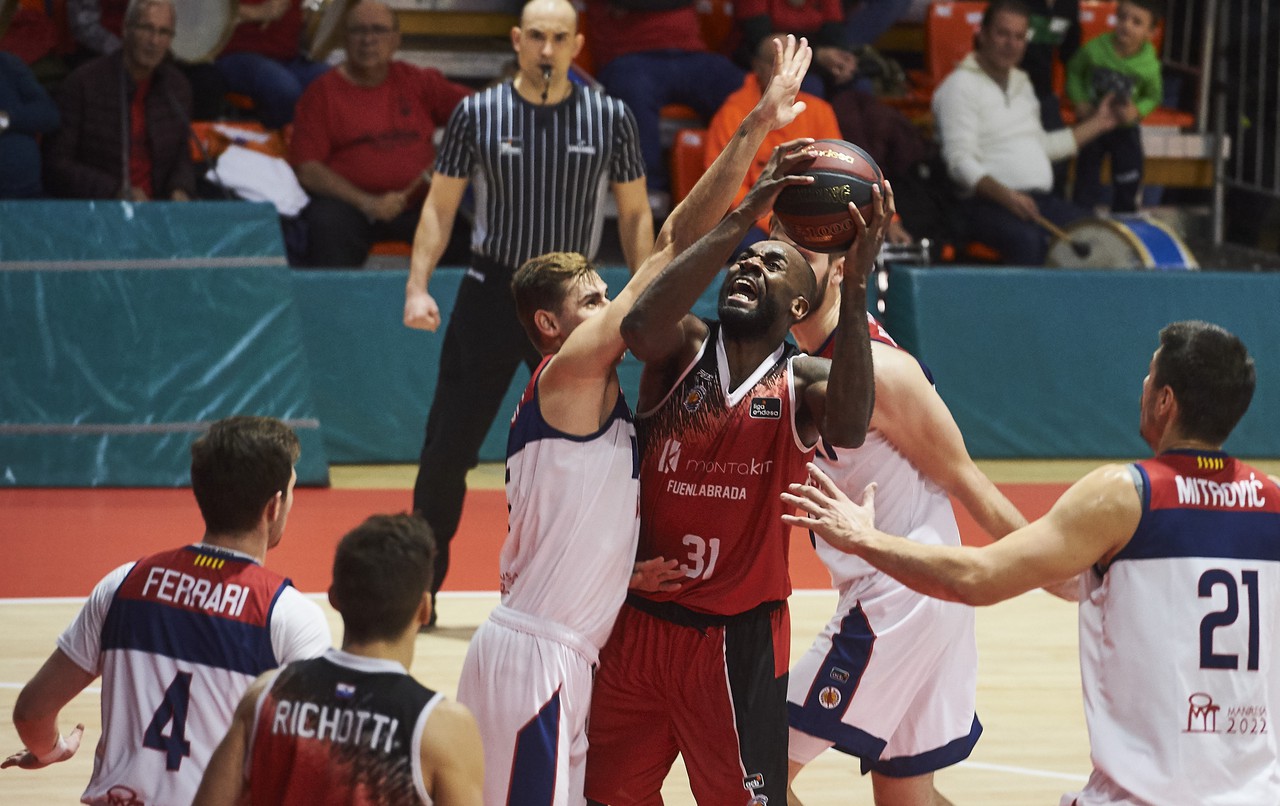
(906,709)
(179,635)
(573,493)
(1179,559)
(728,415)
(352,726)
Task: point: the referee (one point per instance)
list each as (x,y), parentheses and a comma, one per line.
(539,150)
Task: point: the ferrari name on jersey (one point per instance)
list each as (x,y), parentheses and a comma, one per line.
(309,720)
(175,587)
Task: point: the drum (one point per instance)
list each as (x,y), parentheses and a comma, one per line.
(1125,242)
(203,28)
(323,28)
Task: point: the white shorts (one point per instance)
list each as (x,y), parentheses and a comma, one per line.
(528,682)
(892,680)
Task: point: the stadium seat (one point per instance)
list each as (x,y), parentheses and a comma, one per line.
(688,161)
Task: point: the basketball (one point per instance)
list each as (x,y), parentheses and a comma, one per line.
(816,216)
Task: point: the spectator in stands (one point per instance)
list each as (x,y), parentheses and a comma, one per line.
(96,28)
(817,120)
(26,110)
(362,141)
(651,58)
(1055,38)
(820,21)
(125,119)
(263,60)
(1123,61)
(995,147)
(866,20)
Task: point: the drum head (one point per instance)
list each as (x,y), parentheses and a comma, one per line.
(1132,242)
(324,26)
(203,28)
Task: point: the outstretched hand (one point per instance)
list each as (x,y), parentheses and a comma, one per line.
(826,511)
(778,102)
(63,750)
(778,174)
(869,235)
(655,575)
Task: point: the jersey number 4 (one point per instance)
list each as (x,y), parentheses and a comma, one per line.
(1209,580)
(173,709)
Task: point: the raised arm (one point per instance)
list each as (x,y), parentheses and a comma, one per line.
(1092,521)
(838,406)
(659,326)
(911,415)
(429,243)
(598,341)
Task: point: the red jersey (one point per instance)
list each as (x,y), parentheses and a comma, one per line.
(340,728)
(713,464)
(614,31)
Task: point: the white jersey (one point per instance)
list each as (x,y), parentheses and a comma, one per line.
(906,708)
(177,638)
(566,564)
(1180,642)
(573,519)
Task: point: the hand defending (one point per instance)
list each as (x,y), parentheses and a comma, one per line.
(655,575)
(63,750)
(778,104)
(829,513)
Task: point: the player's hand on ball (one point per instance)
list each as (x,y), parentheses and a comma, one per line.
(781,172)
(655,575)
(826,511)
(869,236)
(64,749)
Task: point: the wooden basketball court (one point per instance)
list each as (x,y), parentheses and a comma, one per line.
(57,543)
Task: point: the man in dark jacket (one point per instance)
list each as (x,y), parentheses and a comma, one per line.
(124,119)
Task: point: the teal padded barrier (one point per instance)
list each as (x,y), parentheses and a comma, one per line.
(373,378)
(126,328)
(1037,363)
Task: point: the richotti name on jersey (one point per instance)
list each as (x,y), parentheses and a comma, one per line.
(669,462)
(310,720)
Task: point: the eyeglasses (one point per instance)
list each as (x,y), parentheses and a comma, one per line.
(151,30)
(369,30)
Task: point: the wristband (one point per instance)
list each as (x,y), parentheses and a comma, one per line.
(55,754)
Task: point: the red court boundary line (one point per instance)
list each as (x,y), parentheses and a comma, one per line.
(60,542)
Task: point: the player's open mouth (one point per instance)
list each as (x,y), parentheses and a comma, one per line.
(743,289)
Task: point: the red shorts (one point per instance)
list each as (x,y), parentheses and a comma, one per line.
(714,693)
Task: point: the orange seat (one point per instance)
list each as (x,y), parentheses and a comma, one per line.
(393,248)
(948,37)
(688,161)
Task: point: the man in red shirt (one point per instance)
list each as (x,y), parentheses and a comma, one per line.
(362,142)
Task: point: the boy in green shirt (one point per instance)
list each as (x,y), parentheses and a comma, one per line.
(1123,62)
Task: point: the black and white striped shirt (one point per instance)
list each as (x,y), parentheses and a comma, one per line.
(540,173)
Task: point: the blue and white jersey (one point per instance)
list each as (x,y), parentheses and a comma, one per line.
(573,519)
(1180,641)
(178,637)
